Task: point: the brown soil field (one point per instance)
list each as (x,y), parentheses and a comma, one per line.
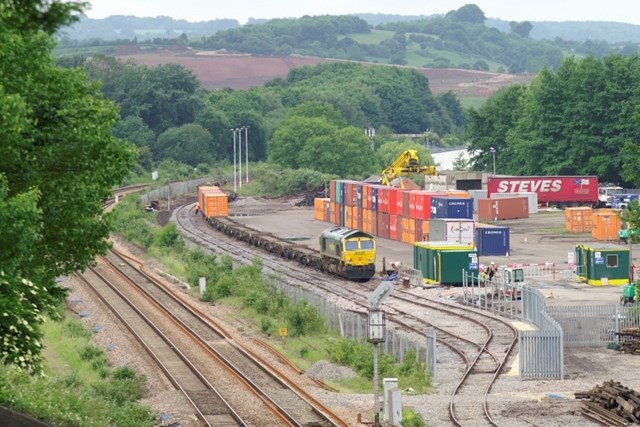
(241,71)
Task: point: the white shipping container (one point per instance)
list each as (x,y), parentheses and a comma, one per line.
(452,230)
(532,199)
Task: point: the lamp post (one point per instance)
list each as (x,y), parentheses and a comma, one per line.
(493,151)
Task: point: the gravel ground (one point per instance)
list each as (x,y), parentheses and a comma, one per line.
(513,402)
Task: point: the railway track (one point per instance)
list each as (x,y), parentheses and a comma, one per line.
(477,348)
(209,406)
(283,401)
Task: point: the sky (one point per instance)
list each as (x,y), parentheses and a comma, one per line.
(627,11)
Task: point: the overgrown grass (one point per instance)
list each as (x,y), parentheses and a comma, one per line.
(79,388)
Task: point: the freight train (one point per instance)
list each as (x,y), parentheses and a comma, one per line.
(344,252)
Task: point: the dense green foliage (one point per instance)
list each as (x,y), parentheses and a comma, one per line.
(580,120)
(86,391)
(59,163)
(359,356)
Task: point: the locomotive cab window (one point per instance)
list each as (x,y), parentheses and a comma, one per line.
(366,244)
(351,245)
(612,261)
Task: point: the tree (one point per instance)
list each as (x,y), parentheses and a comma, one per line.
(469,13)
(60,161)
(190,144)
(522,29)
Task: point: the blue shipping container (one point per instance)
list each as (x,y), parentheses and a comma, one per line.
(451,207)
(492,241)
(374,199)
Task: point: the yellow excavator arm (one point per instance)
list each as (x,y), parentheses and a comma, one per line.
(406,163)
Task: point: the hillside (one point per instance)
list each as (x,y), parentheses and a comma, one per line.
(219,70)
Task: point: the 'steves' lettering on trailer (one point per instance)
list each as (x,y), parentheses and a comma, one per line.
(530,185)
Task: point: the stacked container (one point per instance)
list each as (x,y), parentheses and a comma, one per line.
(578,219)
(389,212)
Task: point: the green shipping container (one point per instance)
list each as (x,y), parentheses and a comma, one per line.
(424,254)
(605,264)
(450,266)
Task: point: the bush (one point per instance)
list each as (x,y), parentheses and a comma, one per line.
(304,319)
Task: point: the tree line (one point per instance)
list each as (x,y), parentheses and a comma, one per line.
(580,120)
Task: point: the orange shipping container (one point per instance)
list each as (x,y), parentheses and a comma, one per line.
(578,219)
(215,204)
(422,230)
(605,226)
(406,229)
(320,208)
(496,209)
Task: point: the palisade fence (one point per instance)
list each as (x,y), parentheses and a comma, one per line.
(174,189)
(595,325)
(354,325)
(541,351)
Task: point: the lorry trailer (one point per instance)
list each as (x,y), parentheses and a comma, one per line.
(552,190)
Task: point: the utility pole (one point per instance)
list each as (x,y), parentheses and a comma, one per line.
(240,156)
(246,150)
(493,151)
(234,160)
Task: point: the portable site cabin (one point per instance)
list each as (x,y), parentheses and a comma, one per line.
(443,262)
(604,264)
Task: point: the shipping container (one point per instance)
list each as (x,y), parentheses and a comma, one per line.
(408,230)
(498,209)
(350,193)
(451,207)
(405,201)
(477,194)
(578,219)
(383,225)
(394,220)
(551,190)
(603,264)
(215,204)
(492,240)
(605,226)
(446,269)
(452,230)
(321,208)
(532,199)
(332,189)
(422,230)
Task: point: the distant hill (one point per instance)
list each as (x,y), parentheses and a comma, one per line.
(129,27)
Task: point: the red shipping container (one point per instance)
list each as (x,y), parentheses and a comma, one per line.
(383,225)
(351,195)
(412,204)
(399,225)
(393,226)
(393,194)
(332,190)
(406,195)
(383,199)
(497,209)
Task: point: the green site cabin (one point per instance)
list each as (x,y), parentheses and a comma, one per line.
(604,264)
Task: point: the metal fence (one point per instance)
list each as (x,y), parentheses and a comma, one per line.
(174,189)
(595,325)
(541,351)
(353,325)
